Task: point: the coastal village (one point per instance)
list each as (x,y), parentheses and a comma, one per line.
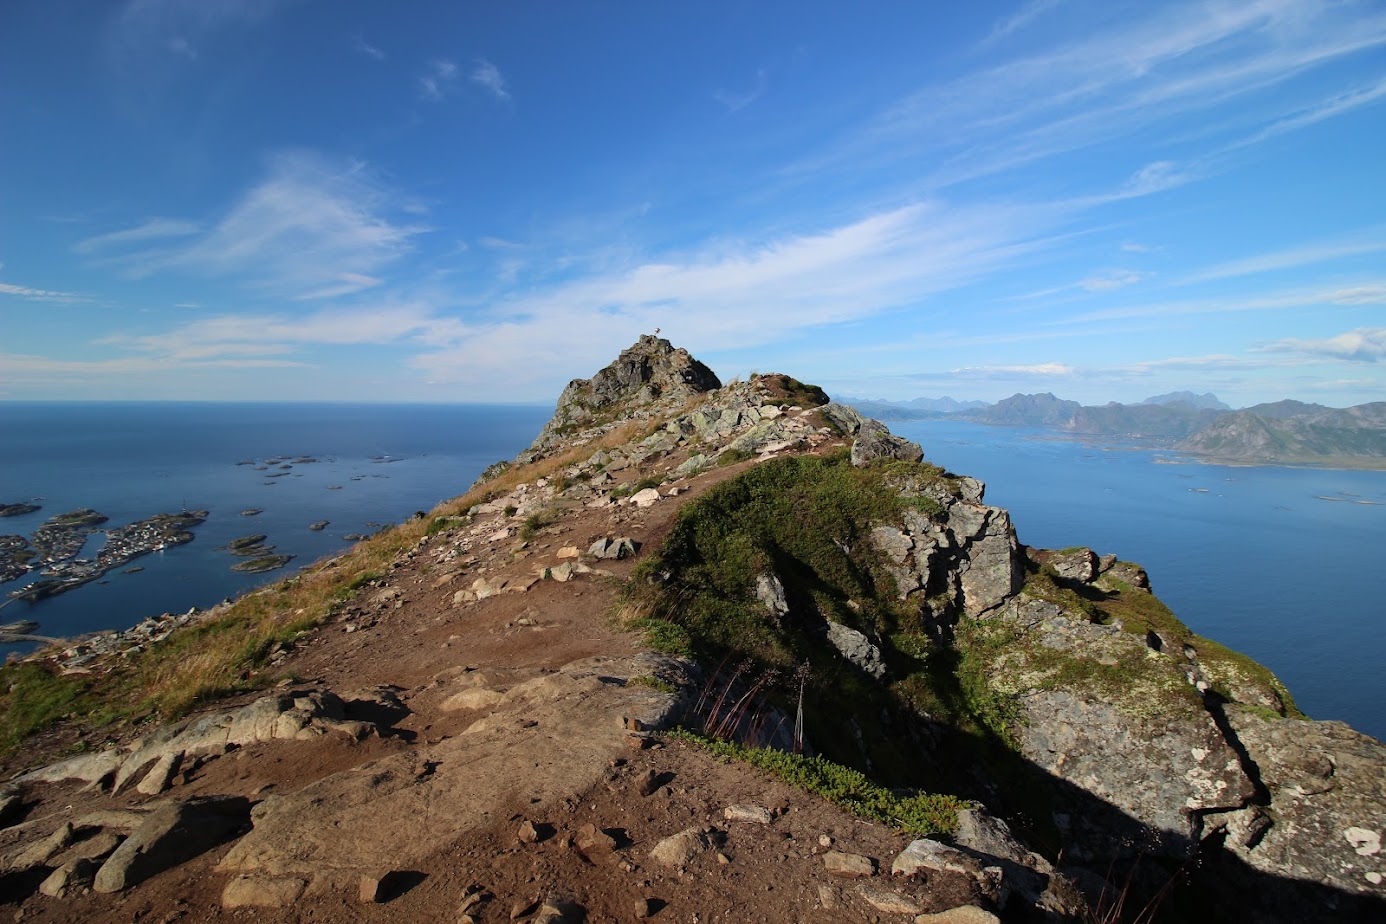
(58,541)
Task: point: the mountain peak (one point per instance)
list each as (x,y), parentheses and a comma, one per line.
(651,370)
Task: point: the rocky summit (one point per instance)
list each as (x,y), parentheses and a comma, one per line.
(702,652)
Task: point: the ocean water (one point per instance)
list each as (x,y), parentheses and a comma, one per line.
(376,465)
(1282,564)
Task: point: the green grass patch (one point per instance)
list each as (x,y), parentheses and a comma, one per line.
(35,698)
(920,815)
(664,636)
(653,682)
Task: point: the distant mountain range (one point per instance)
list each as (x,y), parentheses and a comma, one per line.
(917,409)
(1282,432)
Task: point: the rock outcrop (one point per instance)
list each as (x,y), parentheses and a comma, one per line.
(650,371)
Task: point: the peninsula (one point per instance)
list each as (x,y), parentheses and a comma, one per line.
(890,708)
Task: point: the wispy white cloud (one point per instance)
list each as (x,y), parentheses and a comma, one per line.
(42,295)
(1103,281)
(439,80)
(1292,258)
(269,335)
(487,75)
(182,47)
(1020,19)
(1363,345)
(153,229)
(1327,108)
(1121,78)
(1111,280)
(366,48)
(735,101)
(312,226)
(1368,293)
(177,26)
(15,367)
(347,284)
(738,293)
(1033,370)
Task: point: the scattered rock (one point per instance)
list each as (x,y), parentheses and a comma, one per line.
(560,909)
(680,849)
(886,899)
(930,855)
(623,547)
(158,779)
(69,877)
(372,889)
(753,814)
(849,865)
(857,649)
(589,838)
(647,497)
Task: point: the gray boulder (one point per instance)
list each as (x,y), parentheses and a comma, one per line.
(857,649)
(874,441)
(1326,817)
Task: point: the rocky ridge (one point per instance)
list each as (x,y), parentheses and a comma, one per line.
(520,738)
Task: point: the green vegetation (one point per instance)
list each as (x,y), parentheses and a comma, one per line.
(36,698)
(802,517)
(787,390)
(653,682)
(807,519)
(919,815)
(536,522)
(733,456)
(664,636)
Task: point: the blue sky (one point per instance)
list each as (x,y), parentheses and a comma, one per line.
(437,201)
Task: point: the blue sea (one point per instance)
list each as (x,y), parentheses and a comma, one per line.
(1283,564)
(376,465)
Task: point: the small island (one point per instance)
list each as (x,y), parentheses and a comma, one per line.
(319,526)
(262,564)
(18,510)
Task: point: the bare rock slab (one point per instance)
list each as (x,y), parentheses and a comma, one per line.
(261,892)
(963,914)
(933,857)
(171,834)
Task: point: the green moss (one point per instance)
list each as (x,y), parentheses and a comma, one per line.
(980,643)
(919,815)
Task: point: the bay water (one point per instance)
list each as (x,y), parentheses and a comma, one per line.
(374,465)
(1283,564)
